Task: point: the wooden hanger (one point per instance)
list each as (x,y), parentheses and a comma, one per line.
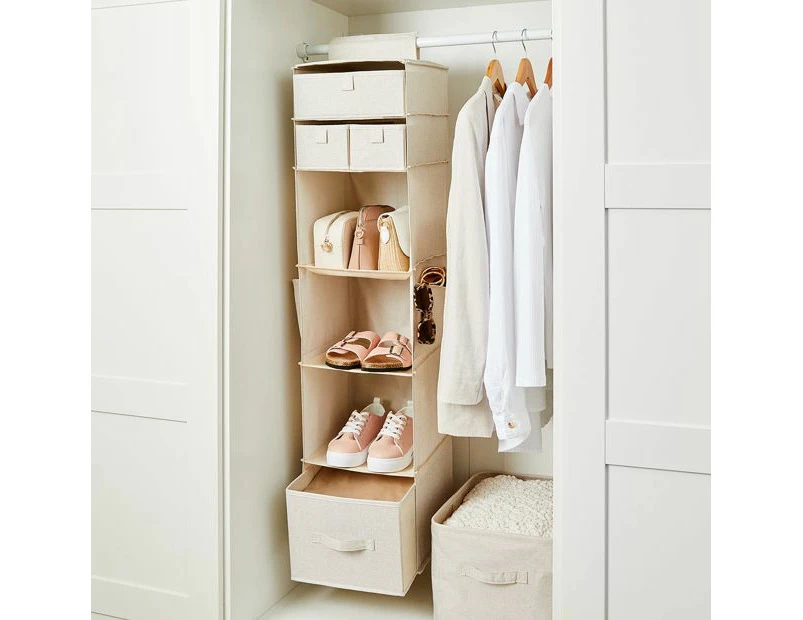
(548,78)
(525,73)
(497,76)
(495,73)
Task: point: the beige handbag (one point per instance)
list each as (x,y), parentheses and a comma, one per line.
(333,235)
(394,240)
(365,250)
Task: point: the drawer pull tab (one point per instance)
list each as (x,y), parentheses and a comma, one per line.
(347,82)
(322,136)
(377,136)
(501,578)
(366,544)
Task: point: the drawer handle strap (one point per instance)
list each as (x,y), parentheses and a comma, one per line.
(366,544)
(503,578)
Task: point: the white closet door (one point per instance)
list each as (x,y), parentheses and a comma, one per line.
(632,418)
(659,309)
(155,309)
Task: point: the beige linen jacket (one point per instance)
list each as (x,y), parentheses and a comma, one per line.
(462,407)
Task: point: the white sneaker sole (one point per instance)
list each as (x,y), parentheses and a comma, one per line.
(388,466)
(346,459)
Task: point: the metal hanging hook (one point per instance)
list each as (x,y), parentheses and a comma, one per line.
(523,32)
(493,41)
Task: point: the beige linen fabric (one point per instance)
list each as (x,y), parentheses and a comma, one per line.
(462,408)
(482,574)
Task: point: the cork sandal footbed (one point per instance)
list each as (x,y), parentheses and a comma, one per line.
(380,366)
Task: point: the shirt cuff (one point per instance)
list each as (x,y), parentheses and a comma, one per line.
(512,425)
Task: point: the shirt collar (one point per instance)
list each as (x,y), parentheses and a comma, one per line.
(486,86)
(521,98)
(487,90)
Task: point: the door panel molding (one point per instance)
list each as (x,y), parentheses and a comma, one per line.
(130,600)
(145,398)
(655,445)
(658,186)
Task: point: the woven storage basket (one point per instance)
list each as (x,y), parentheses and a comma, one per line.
(486,574)
(391,254)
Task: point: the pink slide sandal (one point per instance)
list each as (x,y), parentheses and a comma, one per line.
(352,350)
(392,353)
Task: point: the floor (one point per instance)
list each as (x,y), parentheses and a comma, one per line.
(307,601)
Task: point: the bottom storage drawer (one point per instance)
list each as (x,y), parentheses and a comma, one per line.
(487,574)
(351,530)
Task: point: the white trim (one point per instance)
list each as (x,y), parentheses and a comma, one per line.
(656,445)
(579,588)
(129,599)
(225,314)
(658,186)
(116,4)
(137,396)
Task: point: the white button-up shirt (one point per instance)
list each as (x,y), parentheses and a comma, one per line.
(508,401)
(462,407)
(532,245)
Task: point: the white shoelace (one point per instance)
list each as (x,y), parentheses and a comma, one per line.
(394,426)
(356,422)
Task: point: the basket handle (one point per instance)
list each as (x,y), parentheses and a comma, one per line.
(500,578)
(366,544)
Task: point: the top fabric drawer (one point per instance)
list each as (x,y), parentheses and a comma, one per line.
(350,90)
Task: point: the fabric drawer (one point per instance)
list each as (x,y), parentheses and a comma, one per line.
(485,574)
(358,94)
(322,147)
(377,147)
(340,536)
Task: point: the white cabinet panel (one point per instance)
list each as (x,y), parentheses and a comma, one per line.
(141,106)
(659,308)
(139,510)
(658,81)
(142,296)
(659,542)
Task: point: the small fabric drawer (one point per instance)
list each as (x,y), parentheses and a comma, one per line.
(357,94)
(341,536)
(377,147)
(322,147)
(487,574)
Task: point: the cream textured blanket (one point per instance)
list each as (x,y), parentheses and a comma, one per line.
(507,504)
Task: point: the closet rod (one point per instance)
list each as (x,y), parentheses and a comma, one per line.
(304,50)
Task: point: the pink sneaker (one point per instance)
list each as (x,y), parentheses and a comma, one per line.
(393,448)
(350,447)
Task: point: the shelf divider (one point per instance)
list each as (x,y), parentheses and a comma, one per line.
(370,274)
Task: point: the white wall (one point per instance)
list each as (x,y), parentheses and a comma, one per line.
(263,409)
(658,235)
(467,65)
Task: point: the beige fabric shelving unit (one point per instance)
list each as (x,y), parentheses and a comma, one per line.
(356,123)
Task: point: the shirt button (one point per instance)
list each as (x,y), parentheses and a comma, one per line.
(511,424)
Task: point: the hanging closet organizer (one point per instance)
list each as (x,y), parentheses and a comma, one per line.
(368,132)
